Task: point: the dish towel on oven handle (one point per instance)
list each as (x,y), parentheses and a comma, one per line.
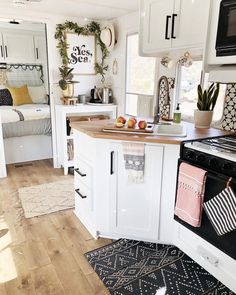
(134,156)
(221,211)
(190,194)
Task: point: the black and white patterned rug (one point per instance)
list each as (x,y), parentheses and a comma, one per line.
(131,267)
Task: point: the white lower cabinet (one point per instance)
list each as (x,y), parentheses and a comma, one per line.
(134,207)
(109,205)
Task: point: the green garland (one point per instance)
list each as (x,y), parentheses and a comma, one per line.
(91,28)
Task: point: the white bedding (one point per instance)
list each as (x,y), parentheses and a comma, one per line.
(27,112)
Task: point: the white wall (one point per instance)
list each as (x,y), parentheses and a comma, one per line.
(124,25)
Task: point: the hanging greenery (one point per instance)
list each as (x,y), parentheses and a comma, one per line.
(91,28)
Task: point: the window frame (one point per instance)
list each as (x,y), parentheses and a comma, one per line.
(202,83)
(178,76)
(126,60)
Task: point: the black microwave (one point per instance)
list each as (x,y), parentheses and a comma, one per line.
(226,33)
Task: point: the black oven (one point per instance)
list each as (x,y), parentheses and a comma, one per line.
(218,157)
(226,33)
(215,183)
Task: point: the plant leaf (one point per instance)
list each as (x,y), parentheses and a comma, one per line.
(62,84)
(215,96)
(211,87)
(204,101)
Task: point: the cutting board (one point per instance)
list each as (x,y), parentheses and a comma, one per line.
(112,128)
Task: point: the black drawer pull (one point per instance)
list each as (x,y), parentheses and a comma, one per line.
(1,51)
(80,173)
(173,26)
(37,53)
(168,17)
(112,163)
(81,196)
(6,51)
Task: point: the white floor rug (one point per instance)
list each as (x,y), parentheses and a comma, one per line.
(47,198)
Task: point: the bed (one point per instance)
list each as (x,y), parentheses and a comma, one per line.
(25,114)
(28,119)
(27,132)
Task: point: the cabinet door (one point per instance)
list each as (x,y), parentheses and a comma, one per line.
(2,56)
(134,209)
(40,49)
(19,48)
(155,25)
(84,202)
(190,23)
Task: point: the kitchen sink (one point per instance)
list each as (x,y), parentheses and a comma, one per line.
(169,130)
(159,129)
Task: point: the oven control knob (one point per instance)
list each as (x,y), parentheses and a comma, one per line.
(213,163)
(227,166)
(190,154)
(201,158)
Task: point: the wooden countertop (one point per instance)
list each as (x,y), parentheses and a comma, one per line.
(94,129)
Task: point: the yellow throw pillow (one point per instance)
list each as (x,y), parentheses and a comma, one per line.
(20,95)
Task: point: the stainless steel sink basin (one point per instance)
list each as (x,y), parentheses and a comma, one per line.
(169,130)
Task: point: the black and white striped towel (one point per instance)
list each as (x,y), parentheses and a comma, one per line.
(221,211)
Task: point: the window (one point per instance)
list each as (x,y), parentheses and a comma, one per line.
(140,76)
(188,80)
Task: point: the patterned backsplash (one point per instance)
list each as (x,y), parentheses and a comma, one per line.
(229,114)
(165,109)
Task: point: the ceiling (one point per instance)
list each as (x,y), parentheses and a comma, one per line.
(91,9)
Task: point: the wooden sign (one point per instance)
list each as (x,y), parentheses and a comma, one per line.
(81,53)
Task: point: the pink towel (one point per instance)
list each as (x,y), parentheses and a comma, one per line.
(190,194)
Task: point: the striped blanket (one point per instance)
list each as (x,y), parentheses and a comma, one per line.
(11,114)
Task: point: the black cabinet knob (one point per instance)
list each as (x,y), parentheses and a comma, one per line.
(213,163)
(227,166)
(201,158)
(190,154)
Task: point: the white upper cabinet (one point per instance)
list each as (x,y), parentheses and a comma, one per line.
(191,23)
(155,25)
(173,24)
(2,56)
(18,48)
(21,46)
(40,49)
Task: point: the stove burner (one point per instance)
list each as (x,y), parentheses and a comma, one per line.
(222,144)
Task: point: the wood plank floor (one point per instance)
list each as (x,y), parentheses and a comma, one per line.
(43,255)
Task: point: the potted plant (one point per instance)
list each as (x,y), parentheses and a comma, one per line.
(66,83)
(205,104)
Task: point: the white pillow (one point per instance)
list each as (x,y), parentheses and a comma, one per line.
(38,94)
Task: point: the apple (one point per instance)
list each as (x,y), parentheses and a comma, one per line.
(142,124)
(131,123)
(133,118)
(119,124)
(121,119)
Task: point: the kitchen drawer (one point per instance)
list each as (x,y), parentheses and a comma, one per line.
(84,146)
(83,172)
(84,208)
(209,257)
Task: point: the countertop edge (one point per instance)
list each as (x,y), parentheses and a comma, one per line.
(94,129)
